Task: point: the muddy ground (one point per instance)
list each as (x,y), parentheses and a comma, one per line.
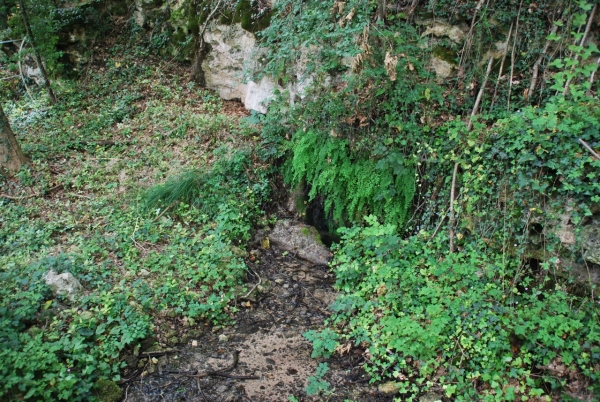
(263,356)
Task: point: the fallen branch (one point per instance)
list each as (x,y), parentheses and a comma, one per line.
(222,373)
(452,218)
(480,94)
(512,56)
(536,67)
(583,39)
(254,287)
(10,197)
(502,65)
(585,144)
(160,353)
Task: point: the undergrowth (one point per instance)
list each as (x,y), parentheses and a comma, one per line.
(146,191)
(471,276)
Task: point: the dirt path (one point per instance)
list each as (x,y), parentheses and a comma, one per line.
(267,339)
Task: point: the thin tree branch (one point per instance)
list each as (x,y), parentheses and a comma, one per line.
(538,62)
(583,39)
(36,52)
(452,217)
(480,94)
(502,64)
(585,144)
(512,56)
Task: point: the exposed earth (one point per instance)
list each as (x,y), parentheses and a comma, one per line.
(273,359)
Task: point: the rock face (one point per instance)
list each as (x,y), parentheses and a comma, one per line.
(233,51)
(302,239)
(590,241)
(64,284)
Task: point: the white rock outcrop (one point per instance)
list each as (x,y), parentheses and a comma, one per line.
(64,284)
(304,240)
(233,50)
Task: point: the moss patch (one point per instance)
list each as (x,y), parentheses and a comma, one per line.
(443,53)
(244,14)
(108,391)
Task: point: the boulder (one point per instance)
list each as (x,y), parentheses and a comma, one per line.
(232,51)
(452,32)
(304,240)
(64,284)
(441,67)
(590,242)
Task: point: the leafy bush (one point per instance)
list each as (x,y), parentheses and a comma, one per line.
(461,321)
(352,187)
(52,352)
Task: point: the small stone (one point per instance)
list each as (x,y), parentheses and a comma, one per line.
(238,252)
(108,391)
(389,388)
(223,338)
(144,273)
(86,315)
(131,361)
(64,284)
(265,243)
(195,333)
(279,281)
(194,343)
(431,397)
(286,285)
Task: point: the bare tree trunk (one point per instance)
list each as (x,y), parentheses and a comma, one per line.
(202,51)
(36,52)
(11,156)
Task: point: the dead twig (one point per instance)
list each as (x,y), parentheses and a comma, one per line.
(583,39)
(512,56)
(162,213)
(452,217)
(10,197)
(253,287)
(480,94)
(585,144)
(536,67)
(502,65)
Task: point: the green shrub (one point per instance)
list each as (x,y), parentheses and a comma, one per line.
(52,352)
(460,321)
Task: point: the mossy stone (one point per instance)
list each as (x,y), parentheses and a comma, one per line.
(443,53)
(108,391)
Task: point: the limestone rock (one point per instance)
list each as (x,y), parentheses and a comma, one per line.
(63,284)
(454,33)
(442,68)
(590,242)
(389,388)
(582,273)
(231,49)
(259,94)
(431,397)
(301,239)
(107,391)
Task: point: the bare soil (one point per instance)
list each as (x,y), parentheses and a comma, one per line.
(267,339)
